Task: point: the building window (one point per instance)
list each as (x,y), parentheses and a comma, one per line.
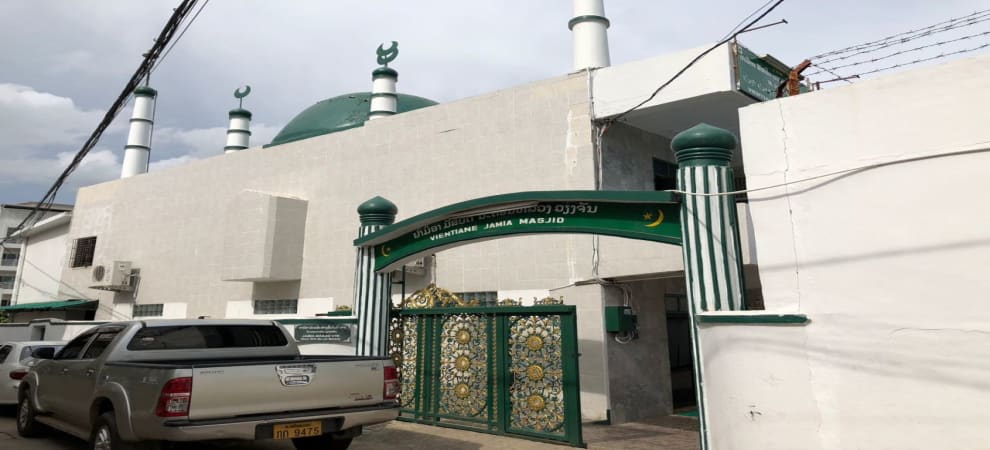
(153,310)
(10,257)
(664,175)
(5,300)
(486,298)
(82,254)
(6,281)
(276,306)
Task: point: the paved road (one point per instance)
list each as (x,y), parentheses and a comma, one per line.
(668,433)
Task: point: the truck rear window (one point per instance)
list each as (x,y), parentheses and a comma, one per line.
(186,337)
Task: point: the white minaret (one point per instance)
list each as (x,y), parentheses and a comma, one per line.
(138,148)
(384,100)
(589,31)
(239,131)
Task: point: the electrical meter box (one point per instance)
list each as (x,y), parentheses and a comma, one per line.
(619,319)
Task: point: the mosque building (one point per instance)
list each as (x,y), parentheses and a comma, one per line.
(269,230)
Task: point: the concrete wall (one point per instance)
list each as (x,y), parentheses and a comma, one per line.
(618,88)
(639,370)
(42,258)
(888,264)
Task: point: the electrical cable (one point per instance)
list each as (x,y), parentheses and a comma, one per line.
(143,70)
(692,63)
(179,37)
(733,30)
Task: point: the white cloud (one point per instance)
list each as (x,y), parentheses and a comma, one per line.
(35,119)
(98,166)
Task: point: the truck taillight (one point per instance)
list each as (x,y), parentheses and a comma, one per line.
(175,398)
(391,389)
(18,374)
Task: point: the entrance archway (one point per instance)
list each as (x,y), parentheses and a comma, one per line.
(703,222)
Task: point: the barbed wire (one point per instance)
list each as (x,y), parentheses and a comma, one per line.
(900,38)
(837,76)
(891,55)
(909,63)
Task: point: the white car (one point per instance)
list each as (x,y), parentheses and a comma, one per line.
(15,361)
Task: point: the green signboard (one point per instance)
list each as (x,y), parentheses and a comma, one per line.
(651,216)
(758,78)
(314,333)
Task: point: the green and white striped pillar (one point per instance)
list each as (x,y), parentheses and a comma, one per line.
(710,233)
(372,291)
(710,228)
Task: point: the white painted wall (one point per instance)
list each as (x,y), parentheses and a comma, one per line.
(618,88)
(889,265)
(42,257)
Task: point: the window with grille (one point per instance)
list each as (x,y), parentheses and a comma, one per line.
(82,255)
(486,298)
(276,306)
(151,310)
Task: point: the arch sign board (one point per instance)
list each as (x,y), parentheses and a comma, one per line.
(652,216)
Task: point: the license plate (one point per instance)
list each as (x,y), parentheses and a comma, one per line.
(297,430)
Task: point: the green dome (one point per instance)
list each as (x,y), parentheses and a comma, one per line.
(339,113)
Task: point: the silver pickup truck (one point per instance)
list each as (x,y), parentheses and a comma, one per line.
(137,384)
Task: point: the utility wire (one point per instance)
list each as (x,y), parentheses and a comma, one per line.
(144,68)
(898,53)
(695,60)
(179,37)
(898,38)
(733,30)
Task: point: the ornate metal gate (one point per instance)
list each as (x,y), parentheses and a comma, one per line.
(505,369)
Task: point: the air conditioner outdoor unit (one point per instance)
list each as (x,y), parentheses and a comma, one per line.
(116,277)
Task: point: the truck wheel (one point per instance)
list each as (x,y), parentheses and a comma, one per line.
(104,436)
(27,426)
(325,442)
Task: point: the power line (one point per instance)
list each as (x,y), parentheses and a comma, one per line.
(898,53)
(695,60)
(144,68)
(733,30)
(179,37)
(905,36)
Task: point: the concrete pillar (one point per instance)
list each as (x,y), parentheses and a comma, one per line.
(239,131)
(137,152)
(589,34)
(384,100)
(710,233)
(372,292)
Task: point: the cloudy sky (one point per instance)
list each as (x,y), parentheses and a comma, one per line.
(63,63)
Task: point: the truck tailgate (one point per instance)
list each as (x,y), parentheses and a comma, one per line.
(259,388)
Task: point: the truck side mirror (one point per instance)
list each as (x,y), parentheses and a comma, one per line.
(43,353)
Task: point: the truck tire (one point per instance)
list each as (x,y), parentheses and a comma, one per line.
(325,442)
(104,436)
(27,426)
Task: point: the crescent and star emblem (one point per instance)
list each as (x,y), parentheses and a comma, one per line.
(655,223)
(387,55)
(385,251)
